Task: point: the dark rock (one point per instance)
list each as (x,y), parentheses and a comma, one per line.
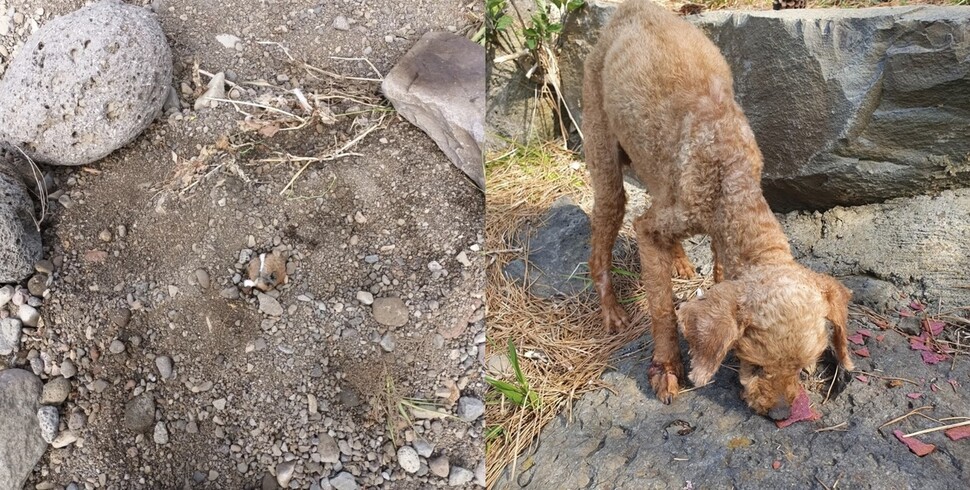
(849,106)
(21,444)
(140,413)
(86,84)
(20,242)
(881,296)
(558,249)
(439,86)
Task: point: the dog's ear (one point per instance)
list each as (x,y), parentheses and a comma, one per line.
(837,296)
(711,327)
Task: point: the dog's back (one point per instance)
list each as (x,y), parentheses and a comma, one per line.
(661,79)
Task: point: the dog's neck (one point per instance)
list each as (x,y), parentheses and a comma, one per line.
(748,233)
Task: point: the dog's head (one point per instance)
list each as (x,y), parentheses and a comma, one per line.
(775,320)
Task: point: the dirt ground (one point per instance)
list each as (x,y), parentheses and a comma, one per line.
(250,390)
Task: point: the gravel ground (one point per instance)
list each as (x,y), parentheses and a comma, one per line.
(179,377)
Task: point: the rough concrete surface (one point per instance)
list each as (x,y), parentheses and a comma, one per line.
(621,437)
(849,106)
(920,244)
(86,84)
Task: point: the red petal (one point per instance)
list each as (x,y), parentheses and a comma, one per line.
(776,464)
(918,447)
(865,332)
(863,378)
(932,357)
(958,433)
(915,396)
(801,409)
(856,339)
(880,337)
(863,352)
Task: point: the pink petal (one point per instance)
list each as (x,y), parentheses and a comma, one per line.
(905,313)
(919,343)
(863,378)
(917,306)
(958,433)
(915,396)
(801,409)
(863,352)
(880,337)
(865,332)
(934,388)
(856,339)
(918,447)
(932,357)
(954,384)
(934,327)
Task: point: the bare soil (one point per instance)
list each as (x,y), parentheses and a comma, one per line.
(399,198)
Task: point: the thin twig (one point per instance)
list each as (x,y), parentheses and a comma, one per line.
(907,415)
(886,377)
(843,425)
(936,429)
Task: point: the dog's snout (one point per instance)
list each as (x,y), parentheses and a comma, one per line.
(780,411)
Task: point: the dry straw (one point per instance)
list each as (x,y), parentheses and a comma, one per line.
(562,347)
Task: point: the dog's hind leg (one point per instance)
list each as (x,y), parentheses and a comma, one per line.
(609,203)
(682,265)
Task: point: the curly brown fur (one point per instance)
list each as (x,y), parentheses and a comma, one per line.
(658,97)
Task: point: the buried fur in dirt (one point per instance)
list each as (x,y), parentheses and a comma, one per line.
(658,98)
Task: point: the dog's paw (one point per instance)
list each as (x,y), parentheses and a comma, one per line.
(615,320)
(684,269)
(665,380)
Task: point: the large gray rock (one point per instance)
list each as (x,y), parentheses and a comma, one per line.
(920,244)
(439,86)
(622,437)
(21,445)
(20,242)
(848,106)
(86,84)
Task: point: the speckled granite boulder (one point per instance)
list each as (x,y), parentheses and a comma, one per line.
(86,84)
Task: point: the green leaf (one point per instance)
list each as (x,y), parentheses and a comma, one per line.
(574,5)
(508,390)
(503,22)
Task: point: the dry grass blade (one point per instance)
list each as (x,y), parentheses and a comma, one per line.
(937,429)
(837,427)
(905,416)
(38,177)
(523,184)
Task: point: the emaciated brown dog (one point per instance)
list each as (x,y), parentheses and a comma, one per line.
(658,97)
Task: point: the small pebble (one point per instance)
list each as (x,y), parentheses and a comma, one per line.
(408,458)
(470,408)
(164,365)
(161,434)
(116,347)
(365,297)
(28,315)
(47,418)
(55,391)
